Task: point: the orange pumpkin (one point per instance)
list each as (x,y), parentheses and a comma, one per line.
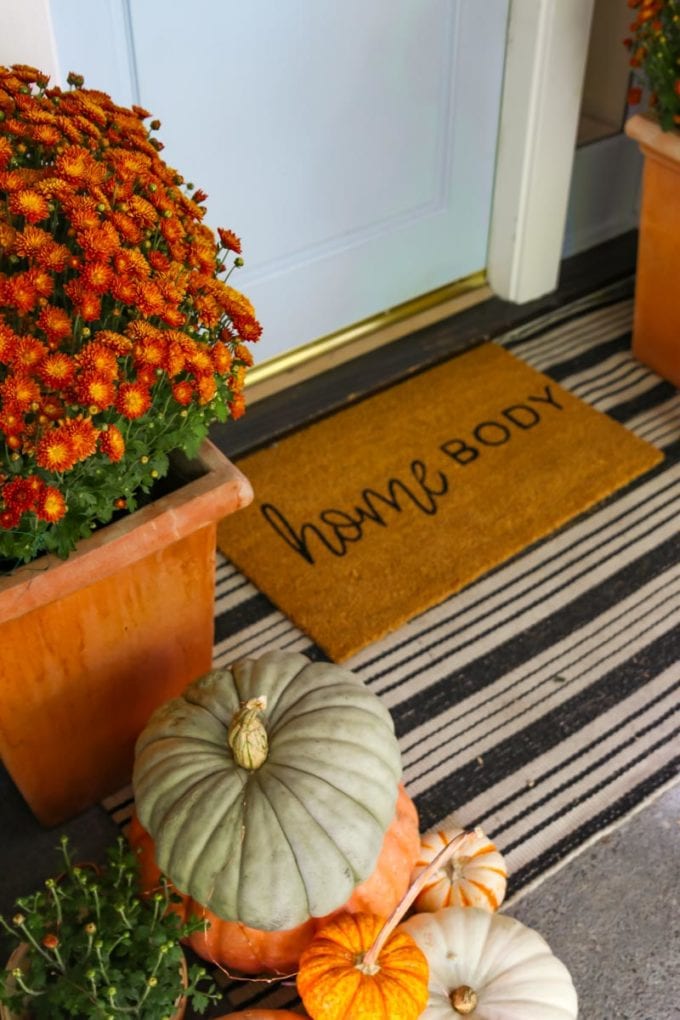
(237,947)
(360,967)
(262,1014)
(344,976)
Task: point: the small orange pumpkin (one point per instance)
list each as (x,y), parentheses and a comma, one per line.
(235,946)
(343,977)
(360,967)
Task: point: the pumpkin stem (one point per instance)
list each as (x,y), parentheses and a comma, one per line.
(463,999)
(371,957)
(247,736)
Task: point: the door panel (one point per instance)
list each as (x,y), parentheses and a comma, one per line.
(350,145)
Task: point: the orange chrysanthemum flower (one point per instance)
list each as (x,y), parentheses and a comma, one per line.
(42,281)
(151,351)
(45,134)
(175,359)
(76,164)
(199,360)
(127,227)
(183,392)
(124,289)
(130,262)
(133,400)
(99,242)
(55,323)
(28,353)
(55,257)
(221,358)
(112,444)
(57,370)
(31,242)
(97,276)
(19,392)
(29,204)
(82,211)
(243,354)
(98,357)
(115,342)
(207,388)
(229,240)
(83,436)
(51,409)
(86,302)
(95,390)
(142,211)
(20,293)
(51,505)
(147,376)
(7,237)
(149,299)
(55,450)
(237,406)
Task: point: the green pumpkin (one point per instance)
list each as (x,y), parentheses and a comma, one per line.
(269,815)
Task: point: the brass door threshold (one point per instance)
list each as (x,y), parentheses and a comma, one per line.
(332,350)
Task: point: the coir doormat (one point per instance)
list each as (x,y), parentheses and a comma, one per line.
(372,515)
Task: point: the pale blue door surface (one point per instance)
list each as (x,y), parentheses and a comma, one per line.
(350,144)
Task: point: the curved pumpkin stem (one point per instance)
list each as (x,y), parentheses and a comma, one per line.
(371,957)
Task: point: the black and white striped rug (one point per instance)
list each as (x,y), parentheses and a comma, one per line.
(541,702)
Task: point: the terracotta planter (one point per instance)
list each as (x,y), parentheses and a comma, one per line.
(91,645)
(18,959)
(656,328)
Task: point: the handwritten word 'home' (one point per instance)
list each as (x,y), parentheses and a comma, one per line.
(338,529)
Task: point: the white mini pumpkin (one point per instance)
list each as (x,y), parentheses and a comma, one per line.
(475,876)
(490,967)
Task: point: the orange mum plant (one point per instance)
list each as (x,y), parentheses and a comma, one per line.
(654,46)
(121,339)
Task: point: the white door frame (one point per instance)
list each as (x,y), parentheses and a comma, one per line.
(546,52)
(545,63)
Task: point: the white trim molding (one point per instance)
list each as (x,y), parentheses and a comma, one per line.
(27,36)
(546,55)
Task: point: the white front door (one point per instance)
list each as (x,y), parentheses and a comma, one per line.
(350,145)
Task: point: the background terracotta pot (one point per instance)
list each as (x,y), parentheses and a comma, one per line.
(656,327)
(91,645)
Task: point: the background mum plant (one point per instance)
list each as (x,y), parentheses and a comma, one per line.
(120,337)
(97,949)
(654,47)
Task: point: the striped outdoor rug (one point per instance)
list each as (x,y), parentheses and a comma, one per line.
(540,702)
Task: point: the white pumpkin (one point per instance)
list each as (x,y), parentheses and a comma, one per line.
(475,876)
(490,967)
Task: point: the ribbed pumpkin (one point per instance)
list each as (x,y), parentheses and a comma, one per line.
(268,787)
(475,876)
(491,966)
(253,951)
(342,978)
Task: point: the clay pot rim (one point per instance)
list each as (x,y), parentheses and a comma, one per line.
(652,139)
(216,486)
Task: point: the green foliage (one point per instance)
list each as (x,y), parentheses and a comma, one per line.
(98,949)
(655,56)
